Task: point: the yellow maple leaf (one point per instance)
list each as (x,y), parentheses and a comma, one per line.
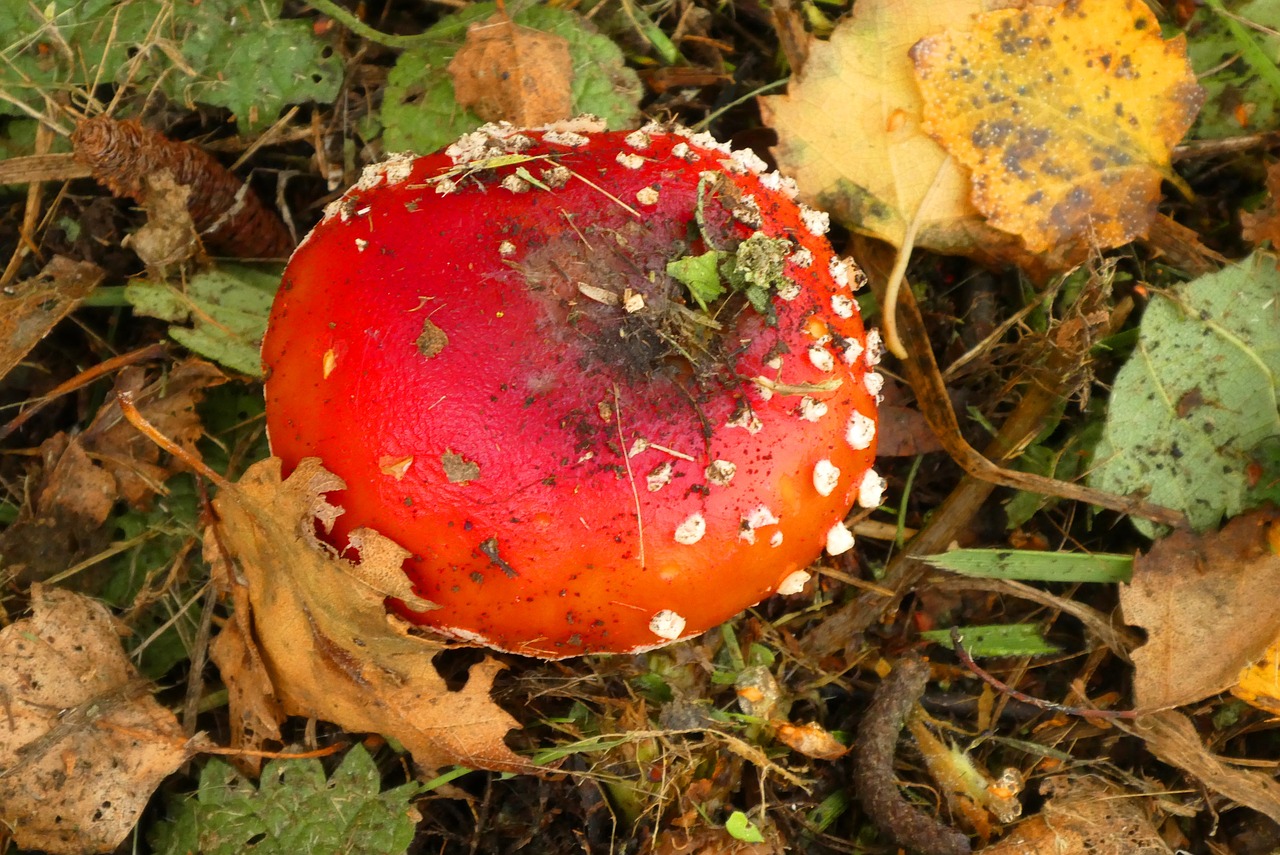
(1066,116)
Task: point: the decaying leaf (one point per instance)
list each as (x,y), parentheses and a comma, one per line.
(69,499)
(79,478)
(1085,816)
(169,237)
(421,113)
(168,402)
(867,161)
(1209,606)
(506,72)
(1065,115)
(31,308)
(1172,737)
(320,631)
(84,744)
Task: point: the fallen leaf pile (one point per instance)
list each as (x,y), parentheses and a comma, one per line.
(84,743)
(312,636)
(1030,136)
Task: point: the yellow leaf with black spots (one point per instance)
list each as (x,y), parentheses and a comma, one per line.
(1066,116)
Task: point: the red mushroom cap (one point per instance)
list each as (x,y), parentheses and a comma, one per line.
(488,345)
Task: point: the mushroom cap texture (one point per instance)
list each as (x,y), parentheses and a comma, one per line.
(486,346)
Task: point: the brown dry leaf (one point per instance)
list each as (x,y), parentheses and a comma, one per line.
(31,308)
(518,74)
(169,403)
(1264,223)
(80,478)
(1084,816)
(322,633)
(1065,115)
(849,132)
(1209,606)
(169,236)
(1172,737)
(69,497)
(84,744)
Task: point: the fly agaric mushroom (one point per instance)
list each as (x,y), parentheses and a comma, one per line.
(608,388)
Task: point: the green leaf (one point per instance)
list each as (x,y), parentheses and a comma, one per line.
(701,275)
(1018,639)
(295,809)
(246,59)
(82,31)
(418,108)
(1198,395)
(226,306)
(210,52)
(1029,565)
(741,828)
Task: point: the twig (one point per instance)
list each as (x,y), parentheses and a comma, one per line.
(874,780)
(898,274)
(957,640)
(84,378)
(139,421)
(31,215)
(209,748)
